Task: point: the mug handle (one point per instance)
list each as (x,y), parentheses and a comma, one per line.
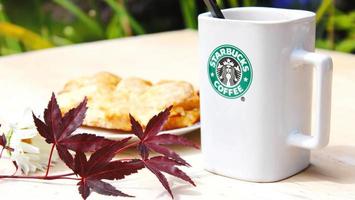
(323,67)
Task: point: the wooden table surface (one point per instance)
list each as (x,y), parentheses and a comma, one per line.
(27,80)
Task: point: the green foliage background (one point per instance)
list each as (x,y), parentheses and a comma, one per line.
(37,24)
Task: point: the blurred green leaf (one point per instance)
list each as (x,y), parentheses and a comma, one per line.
(233,3)
(323,9)
(60,41)
(220,3)
(345,22)
(7,51)
(114,29)
(11,45)
(323,44)
(330,26)
(93,26)
(347,45)
(122,12)
(352,15)
(189,13)
(90,20)
(30,39)
(249,2)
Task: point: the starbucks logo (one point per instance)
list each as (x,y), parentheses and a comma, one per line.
(230,71)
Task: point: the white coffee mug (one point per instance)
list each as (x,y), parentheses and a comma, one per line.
(256,92)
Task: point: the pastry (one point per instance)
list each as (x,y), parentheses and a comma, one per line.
(111,100)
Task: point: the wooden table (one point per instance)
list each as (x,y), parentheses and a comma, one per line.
(28,79)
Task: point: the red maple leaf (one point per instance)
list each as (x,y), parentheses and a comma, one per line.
(160,164)
(2,140)
(151,141)
(2,143)
(58,129)
(100,166)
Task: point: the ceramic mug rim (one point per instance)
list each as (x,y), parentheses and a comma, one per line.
(284,15)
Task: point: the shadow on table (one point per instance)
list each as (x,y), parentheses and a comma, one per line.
(334,164)
(193,137)
(181,192)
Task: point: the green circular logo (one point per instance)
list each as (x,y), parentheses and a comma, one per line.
(230,71)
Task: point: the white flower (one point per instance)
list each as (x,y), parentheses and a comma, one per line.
(26,155)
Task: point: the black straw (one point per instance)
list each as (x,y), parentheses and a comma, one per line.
(214,9)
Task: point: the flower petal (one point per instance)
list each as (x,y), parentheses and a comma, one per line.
(27,133)
(28,148)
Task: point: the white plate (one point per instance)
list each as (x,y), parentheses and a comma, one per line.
(117,135)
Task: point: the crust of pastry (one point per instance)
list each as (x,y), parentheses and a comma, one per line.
(111,100)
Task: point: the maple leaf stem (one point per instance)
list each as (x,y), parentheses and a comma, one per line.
(63,176)
(68,174)
(128,146)
(39,177)
(49,160)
